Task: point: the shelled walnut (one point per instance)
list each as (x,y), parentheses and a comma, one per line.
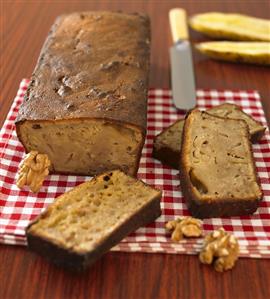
(220,248)
(32,171)
(184,227)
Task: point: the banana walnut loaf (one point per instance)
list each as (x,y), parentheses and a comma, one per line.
(167,144)
(84,223)
(218,175)
(86,104)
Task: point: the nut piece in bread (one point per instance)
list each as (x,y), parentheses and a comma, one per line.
(84,223)
(167,144)
(218,175)
(87,100)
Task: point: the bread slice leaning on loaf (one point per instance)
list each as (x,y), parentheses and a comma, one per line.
(217,170)
(167,144)
(84,223)
(86,103)
(228,110)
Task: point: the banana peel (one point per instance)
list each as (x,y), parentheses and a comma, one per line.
(231,26)
(247,52)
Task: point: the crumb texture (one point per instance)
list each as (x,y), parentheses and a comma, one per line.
(217,158)
(85,146)
(171,137)
(228,110)
(84,217)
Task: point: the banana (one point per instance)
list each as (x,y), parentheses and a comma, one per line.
(231,26)
(247,52)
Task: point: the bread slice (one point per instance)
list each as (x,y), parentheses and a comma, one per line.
(167,144)
(229,110)
(84,223)
(218,176)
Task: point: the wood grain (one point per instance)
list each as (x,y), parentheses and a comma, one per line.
(24,26)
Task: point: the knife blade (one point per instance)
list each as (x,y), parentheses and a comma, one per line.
(182,73)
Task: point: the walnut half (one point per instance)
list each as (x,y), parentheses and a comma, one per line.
(185,227)
(32,171)
(220,248)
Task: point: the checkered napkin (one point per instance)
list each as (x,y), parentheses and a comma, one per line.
(18,207)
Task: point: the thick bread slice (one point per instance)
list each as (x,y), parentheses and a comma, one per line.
(228,110)
(84,223)
(86,103)
(218,176)
(167,144)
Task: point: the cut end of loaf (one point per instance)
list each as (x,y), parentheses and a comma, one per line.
(86,147)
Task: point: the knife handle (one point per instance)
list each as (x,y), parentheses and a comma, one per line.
(178,23)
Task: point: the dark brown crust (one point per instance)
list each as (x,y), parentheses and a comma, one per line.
(256,137)
(74,261)
(204,209)
(167,156)
(130,77)
(112,85)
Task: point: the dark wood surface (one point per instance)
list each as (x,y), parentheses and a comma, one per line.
(24,26)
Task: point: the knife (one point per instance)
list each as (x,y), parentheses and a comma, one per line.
(182,74)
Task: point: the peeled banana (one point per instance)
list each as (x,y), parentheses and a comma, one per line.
(247,52)
(231,26)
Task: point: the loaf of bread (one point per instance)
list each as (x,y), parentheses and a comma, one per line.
(84,223)
(218,175)
(167,144)
(87,100)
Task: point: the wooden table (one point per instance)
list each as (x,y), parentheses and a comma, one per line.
(24,26)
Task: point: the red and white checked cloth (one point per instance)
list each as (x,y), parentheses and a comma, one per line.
(18,207)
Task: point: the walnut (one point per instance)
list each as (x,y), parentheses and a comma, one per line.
(221,248)
(32,171)
(185,227)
